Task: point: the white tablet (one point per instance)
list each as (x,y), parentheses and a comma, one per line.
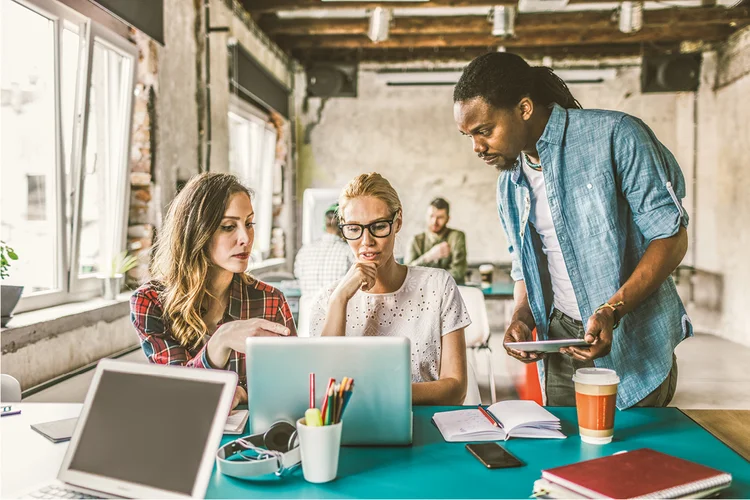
(547,345)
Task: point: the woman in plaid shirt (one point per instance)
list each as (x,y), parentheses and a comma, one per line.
(201,305)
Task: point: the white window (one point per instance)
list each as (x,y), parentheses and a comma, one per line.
(252,155)
(65,115)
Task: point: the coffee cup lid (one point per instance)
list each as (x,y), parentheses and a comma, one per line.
(486,268)
(596,376)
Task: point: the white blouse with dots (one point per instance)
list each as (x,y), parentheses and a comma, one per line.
(427,306)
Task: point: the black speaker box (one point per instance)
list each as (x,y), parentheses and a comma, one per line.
(332,80)
(671,73)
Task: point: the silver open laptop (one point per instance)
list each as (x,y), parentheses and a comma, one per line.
(379,412)
(146,431)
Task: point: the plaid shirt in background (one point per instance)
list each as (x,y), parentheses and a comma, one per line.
(257,300)
(320,263)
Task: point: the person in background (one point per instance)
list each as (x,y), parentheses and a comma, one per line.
(201,305)
(590,203)
(381,297)
(323,261)
(439,246)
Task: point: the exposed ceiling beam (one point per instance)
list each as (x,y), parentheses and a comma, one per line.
(262,6)
(534,39)
(525,22)
(465,54)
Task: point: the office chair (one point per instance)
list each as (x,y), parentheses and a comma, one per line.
(473,397)
(478,333)
(303,318)
(10,390)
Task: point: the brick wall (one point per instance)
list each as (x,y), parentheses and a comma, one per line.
(142,156)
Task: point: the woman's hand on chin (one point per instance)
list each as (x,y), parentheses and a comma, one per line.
(361,276)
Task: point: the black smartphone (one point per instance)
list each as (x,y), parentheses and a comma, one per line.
(494,456)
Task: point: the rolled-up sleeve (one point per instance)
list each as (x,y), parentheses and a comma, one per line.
(650,179)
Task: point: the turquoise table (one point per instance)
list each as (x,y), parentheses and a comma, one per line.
(436,469)
(499,291)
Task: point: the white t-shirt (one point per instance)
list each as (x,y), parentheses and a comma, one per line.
(541,217)
(427,306)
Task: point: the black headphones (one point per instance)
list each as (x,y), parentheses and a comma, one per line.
(275,451)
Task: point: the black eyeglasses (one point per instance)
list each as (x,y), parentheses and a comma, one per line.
(379,229)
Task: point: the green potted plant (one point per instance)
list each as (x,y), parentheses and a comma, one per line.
(121,264)
(11,294)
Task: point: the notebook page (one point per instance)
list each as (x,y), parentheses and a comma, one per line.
(516,413)
(236,423)
(466,425)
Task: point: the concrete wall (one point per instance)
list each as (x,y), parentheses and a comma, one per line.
(408,135)
(723,180)
(181,107)
(64,338)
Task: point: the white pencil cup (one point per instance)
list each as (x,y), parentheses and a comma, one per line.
(319,447)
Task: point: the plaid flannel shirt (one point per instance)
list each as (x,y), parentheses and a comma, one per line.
(256,300)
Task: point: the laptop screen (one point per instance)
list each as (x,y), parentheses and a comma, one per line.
(147,429)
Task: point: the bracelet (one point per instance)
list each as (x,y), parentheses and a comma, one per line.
(615,312)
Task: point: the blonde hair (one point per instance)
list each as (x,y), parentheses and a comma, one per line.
(182,257)
(372,184)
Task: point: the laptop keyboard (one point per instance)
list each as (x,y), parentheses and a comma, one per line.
(58,492)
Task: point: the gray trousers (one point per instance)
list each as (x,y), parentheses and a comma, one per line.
(560,368)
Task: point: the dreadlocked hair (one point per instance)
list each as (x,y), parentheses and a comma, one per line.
(502,79)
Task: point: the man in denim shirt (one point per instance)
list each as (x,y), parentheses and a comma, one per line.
(590,203)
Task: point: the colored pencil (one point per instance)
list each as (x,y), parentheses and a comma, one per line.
(324,404)
(329,409)
(488,416)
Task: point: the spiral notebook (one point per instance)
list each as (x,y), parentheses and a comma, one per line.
(643,473)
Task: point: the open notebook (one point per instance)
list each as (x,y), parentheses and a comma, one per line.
(523,419)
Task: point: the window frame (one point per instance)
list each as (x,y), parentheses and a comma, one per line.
(71,287)
(250,113)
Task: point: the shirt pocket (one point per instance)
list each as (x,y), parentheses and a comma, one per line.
(594,205)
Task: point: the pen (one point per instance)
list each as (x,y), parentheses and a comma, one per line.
(312,390)
(488,416)
(9,413)
(324,405)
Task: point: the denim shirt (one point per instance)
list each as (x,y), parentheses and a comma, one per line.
(612,188)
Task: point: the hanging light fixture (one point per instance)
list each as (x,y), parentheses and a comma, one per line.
(380,20)
(503,20)
(631,17)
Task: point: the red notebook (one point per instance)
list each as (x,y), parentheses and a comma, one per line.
(638,473)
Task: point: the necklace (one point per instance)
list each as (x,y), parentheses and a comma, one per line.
(531,164)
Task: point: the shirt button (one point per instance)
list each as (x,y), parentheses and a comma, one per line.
(589,186)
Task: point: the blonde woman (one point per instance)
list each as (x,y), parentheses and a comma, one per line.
(201,306)
(378,296)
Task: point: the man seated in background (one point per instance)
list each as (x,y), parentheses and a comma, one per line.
(323,261)
(439,246)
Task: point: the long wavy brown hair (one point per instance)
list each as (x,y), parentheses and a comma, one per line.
(182,258)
